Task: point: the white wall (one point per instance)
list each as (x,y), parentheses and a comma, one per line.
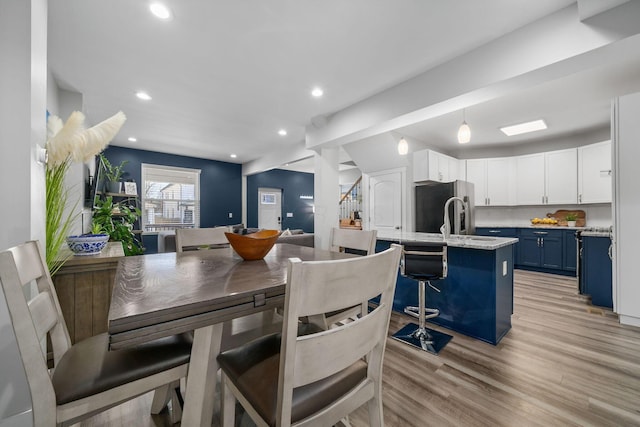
(23,85)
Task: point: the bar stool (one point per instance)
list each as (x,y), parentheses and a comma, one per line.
(423,262)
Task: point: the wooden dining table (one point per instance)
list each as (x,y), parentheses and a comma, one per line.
(159,295)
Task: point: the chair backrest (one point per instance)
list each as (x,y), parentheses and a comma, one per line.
(33,318)
(421,260)
(191,238)
(360,240)
(316,287)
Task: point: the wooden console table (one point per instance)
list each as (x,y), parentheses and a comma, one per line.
(84,285)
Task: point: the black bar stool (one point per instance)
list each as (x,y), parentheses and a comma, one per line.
(423,262)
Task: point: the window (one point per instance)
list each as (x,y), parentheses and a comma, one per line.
(170,197)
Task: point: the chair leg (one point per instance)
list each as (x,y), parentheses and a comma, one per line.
(228,409)
(176,403)
(376,418)
(161,397)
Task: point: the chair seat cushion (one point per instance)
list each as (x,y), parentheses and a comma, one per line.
(253,368)
(88,367)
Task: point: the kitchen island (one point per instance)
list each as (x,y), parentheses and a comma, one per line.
(476,297)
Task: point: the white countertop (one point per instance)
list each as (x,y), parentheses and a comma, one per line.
(455,240)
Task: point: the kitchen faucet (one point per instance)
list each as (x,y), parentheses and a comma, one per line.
(446,227)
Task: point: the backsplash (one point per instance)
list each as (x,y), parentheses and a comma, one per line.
(599,215)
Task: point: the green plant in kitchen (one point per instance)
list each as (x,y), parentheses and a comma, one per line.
(113,173)
(116,220)
(571,216)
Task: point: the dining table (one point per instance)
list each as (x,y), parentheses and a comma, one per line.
(159,295)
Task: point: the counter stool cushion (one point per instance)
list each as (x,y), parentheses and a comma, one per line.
(88,367)
(254,369)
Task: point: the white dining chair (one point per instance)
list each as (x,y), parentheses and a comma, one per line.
(194,238)
(86,377)
(317,378)
(362,242)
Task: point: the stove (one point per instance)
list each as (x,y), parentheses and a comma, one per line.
(592,229)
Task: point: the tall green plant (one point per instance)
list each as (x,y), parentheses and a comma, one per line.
(119,226)
(113,173)
(57,224)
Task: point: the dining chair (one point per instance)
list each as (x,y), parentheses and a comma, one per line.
(86,377)
(321,377)
(360,242)
(194,238)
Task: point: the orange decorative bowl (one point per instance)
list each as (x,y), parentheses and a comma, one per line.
(255,245)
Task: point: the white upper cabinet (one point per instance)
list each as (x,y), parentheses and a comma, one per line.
(530,179)
(561,181)
(594,173)
(493,181)
(547,178)
(434,166)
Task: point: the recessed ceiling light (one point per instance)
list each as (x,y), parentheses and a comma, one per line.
(317,92)
(132,139)
(282,132)
(160,11)
(143,95)
(524,128)
(233,156)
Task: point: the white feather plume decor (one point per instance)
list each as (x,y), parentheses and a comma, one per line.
(72,141)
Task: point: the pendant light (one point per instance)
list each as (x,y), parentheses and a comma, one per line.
(403,147)
(464,132)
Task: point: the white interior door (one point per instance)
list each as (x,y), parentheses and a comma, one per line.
(269,208)
(385,198)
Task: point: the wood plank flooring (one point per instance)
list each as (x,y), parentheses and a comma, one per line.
(564,363)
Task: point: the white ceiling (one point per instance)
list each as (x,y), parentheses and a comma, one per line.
(226,75)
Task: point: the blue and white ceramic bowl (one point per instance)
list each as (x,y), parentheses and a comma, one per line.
(87,244)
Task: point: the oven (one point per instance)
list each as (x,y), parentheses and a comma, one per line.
(580,260)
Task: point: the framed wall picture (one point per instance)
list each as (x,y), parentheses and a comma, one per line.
(130,188)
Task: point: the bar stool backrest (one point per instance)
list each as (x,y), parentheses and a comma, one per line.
(426,261)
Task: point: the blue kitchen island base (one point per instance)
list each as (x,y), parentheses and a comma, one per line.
(476,297)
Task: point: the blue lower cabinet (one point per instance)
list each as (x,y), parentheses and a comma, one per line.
(596,270)
(476,299)
(543,249)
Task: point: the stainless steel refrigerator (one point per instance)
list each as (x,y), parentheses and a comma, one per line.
(431,197)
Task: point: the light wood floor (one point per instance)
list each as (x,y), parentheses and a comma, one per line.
(563,363)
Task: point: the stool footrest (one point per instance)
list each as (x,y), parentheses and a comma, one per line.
(425,339)
(429,313)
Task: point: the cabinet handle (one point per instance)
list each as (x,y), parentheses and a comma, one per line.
(538,241)
(542,242)
(494,231)
(607,171)
(489,200)
(579,198)
(543,200)
(541,232)
(610,251)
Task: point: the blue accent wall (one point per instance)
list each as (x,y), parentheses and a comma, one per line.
(293,185)
(220,182)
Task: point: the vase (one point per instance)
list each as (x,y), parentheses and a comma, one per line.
(87,244)
(113,187)
(571,223)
